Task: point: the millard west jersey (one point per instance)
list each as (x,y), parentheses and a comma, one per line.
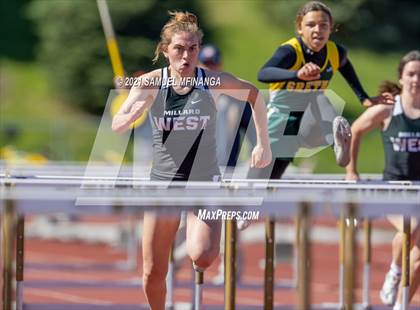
(184,133)
(402,146)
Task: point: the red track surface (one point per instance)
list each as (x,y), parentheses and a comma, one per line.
(324,284)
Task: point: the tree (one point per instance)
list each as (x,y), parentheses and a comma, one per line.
(73,47)
(16,31)
(382,25)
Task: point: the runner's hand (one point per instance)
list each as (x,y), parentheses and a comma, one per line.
(261,156)
(384,98)
(309,72)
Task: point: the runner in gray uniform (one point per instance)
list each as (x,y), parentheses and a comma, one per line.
(183,114)
(400,125)
(182,122)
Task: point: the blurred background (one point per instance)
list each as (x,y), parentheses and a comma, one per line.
(56,76)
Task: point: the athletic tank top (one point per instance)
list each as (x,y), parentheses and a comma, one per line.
(402,146)
(283,95)
(184,132)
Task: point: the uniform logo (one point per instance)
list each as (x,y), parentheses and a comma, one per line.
(181,123)
(406,142)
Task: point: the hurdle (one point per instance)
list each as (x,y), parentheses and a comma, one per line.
(304,257)
(269,263)
(341,250)
(169,303)
(367,258)
(230,264)
(313,196)
(70,172)
(349,257)
(7,230)
(405,281)
(76,170)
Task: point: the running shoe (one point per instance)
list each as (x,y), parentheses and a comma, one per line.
(342,140)
(388,293)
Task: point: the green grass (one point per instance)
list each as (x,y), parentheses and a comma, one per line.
(371,157)
(244,36)
(44,123)
(371,68)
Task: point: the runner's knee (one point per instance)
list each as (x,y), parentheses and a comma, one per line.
(204,257)
(154,272)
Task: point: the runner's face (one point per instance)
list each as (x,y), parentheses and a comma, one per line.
(182,53)
(410,78)
(315,29)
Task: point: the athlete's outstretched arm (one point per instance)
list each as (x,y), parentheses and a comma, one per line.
(245,91)
(276,68)
(371,118)
(138,101)
(347,71)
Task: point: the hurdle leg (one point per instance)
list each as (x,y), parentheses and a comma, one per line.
(198,293)
(367,225)
(342,228)
(296,252)
(132,245)
(269,263)
(8,243)
(350,257)
(304,253)
(170,280)
(230,264)
(405,281)
(20,243)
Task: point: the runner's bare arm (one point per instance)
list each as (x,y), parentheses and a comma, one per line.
(246,92)
(139,100)
(373,117)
